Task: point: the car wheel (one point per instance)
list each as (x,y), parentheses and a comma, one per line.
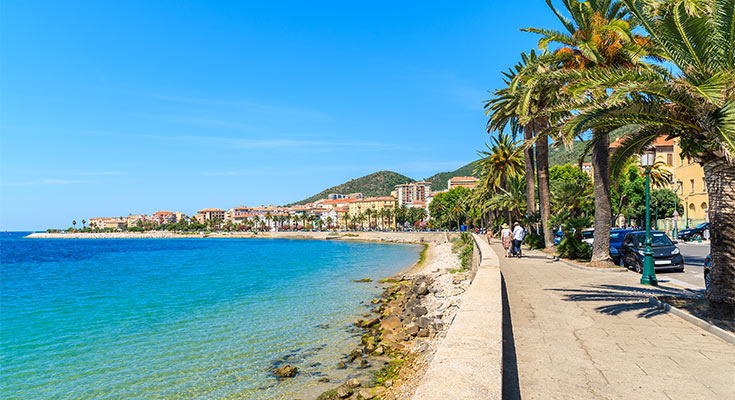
(621,261)
(639,267)
(681,268)
(696,236)
(707,281)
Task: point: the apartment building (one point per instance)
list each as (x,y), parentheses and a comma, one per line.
(409,193)
(163,217)
(108,223)
(376,204)
(465,181)
(691,187)
(209,214)
(136,220)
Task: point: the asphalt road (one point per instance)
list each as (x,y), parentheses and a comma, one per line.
(694,255)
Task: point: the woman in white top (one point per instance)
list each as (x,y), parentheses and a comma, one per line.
(506,235)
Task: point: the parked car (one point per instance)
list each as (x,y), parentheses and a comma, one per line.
(588,236)
(616,241)
(665,253)
(700,231)
(707,267)
(558,235)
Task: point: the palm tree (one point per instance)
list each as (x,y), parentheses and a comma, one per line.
(598,36)
(74,223)
(501,161)
(512,199)
(697,106)
(528,101)
(660,175)
(83,222)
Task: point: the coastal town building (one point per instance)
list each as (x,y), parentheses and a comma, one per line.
(587,169)
(409,193)
(163,217)
(180,217)
(108,223)
(135,220)
(210,214)
(690,186)
(370,211)
(465,181)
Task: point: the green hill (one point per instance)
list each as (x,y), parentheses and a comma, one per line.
(376,184)
(439,181)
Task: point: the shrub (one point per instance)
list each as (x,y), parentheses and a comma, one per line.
(534,241)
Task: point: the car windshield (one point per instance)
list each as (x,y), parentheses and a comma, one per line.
(657,239)
(701,225)
(617,236)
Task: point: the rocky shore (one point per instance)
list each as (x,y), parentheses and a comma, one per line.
(407,323)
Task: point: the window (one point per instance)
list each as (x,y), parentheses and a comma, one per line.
(704,185)
(669,159)
(692,182)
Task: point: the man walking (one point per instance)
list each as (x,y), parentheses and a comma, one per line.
(518,234)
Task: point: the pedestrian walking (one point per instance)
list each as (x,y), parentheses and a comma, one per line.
(507,237)
(518,234)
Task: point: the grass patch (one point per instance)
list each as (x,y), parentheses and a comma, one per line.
(422,255)
(389,280)
(350,235)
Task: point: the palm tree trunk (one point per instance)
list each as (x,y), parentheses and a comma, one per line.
(528,131)
(603,207)
(544,192)
(720,178)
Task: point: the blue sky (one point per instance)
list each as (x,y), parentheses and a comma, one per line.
(110,108)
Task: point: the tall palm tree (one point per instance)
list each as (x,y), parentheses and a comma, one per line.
(503,110)
(83,222)
(74,223)
(529,100)
(697,106)
(598,36)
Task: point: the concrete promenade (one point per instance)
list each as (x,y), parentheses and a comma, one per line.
(468,363)
(578,334)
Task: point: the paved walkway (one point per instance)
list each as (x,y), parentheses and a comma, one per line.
(578,334)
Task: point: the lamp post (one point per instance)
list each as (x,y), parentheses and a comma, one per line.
(678,184)
(649,274)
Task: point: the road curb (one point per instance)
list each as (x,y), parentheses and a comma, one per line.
(717,331)
(616,269)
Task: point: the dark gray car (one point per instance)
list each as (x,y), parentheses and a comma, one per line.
(665,253)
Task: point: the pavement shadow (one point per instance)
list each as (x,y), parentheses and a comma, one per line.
(624,298)
(511,388)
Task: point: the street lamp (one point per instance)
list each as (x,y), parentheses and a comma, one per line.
(649,274)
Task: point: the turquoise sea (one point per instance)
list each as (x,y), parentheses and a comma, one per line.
(181,318)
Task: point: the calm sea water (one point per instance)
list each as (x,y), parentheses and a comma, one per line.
(180,318)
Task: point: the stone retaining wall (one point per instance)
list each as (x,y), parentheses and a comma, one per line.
(469,362)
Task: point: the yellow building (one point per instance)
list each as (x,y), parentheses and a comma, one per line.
(360,208)
(691,188)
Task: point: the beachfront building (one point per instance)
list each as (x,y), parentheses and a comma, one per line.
(409,193)
(691,188)
(163,217)
(210,214)
(108,223)
(369,213)
(136,220)
(465,181)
